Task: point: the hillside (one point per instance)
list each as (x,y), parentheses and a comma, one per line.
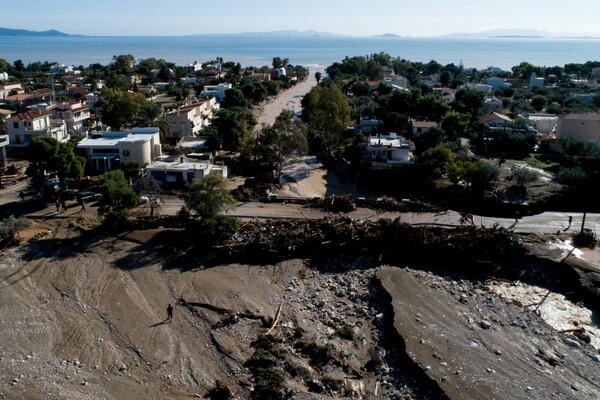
(24,32)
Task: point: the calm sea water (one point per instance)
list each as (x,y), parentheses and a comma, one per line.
(258,51)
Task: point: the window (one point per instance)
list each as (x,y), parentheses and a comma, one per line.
(15,125)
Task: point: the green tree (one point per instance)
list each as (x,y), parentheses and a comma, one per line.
(118,197)
(234,98)
(152,114)
(469,102)
(284,141)
(481,175)
(327,113)
(208,197)
(538,102)
(122,64)
(48,156)
(10,228)
(120,109)
(524,175)
(437,157)
(454,124)
(318,76)
(233,127)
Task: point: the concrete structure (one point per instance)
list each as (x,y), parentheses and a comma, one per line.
(497,83)
(421,127)
(179,172)
(74,113)
(583,126)
(108,150)
(192,117)
(493,104)
(543,123)
(535,82)
(3,76)
(385,151)
(61,69)
(23,128)
(216,91)
(4,115)
(3,143)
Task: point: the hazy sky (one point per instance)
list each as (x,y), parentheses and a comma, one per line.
(350,17)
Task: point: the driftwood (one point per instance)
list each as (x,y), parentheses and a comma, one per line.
(276,320)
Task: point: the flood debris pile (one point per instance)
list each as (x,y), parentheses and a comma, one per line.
(389,241)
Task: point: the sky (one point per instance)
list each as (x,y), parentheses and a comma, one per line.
(421,18)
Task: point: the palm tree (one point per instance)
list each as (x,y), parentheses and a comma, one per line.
(153,115)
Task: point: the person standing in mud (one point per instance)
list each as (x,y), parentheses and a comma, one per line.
(170,313)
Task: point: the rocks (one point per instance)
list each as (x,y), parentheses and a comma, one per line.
(596,357)
(572,342)
(485,324)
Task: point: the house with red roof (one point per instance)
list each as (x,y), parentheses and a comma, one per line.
(24,127)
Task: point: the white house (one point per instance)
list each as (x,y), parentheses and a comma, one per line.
(108,150)
(385,151)
(216,91)
(3,76)
(74,113)
(543,123)
(24,127)
(193,67)
(478,87)
(534,81)
(497,83)
(192,117)
(61,69)
(179,172)
(582,126)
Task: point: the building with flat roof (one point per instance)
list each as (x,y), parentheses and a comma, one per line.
(108,150)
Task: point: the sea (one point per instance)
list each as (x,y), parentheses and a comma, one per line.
(258,51)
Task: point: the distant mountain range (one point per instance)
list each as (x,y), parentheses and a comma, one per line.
(514,33)
(490,34)
(24,32)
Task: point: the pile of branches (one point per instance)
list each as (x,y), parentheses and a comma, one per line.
(386,241)
(342,204)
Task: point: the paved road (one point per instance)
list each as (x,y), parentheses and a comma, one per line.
(548,222)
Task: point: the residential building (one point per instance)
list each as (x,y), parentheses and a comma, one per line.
(216,91)
(191,117)
(478,87)
(495,71)
(74,113)
(3,76)
(9,88)
(388,151)
(493,104)
(494,119)
(535,82)
(368,126)
(178,172)
(421,127)
(497,83)
(108,150)
(586,98)
(581,126)
(24,127)
(193,67)
(543,123)
(61,69)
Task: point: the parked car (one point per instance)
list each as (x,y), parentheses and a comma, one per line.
(88,196)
